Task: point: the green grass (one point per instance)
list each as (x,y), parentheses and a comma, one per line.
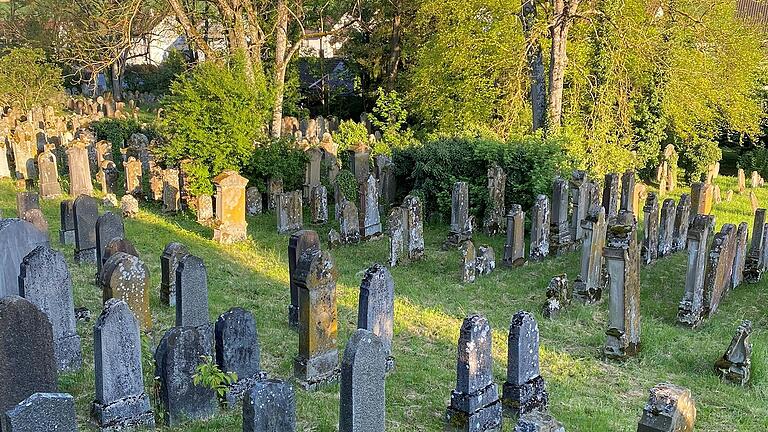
(586,392)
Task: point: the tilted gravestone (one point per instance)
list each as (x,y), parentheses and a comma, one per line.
(611,195)
(191,292)
(41,412)
(67,222)
(376,307)
(468,262)
(370,219)
(45,281)
(108,226)
(475,404)
(27,356)
(177,357)
(524,389)
(461,222)
(238,351)
(739,255)
(318,360)
(169,260)
(494,222)
(118,245)
(719,266)
(560,240)
(588,286)
(126,277)
(270,406)
(362,405)
(691,309)
(514,248)
(299,242)
(682,217)
(667,228)
(670,408)
(650,248)
(17,239)
(558,296)
(86,212)
(734,365)
(539,229)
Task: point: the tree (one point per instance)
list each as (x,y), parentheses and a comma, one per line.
(27,80)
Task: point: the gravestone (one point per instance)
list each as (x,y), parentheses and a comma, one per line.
(742,181)
(85,211)
(126,277)
(397,233)
(475,404)
(169,261)
(468,262)
(205,210)
(691,309)
(385,174)
(622,259)
(716,198)
(349,224)
(230,225)
(334,239)
(49,175)
(588,286)
(667,228)
(318,360)
(539,229)
(485,262)
(719,265)
(270,406)
(289,212)
(119,245)
(41,412)
(414,223)
(318,204)
(156,181)
(17,239)
(537,421)
(650,250)
(312,169)
(129,205)
(362,406)
(133,177)
(45,281)
(611,195)
(26,201)
(370,220)
(754,266)
(37,219)
(461,223)
(627,192)
(740,255)
(177,357)
(359,163)
(734,365)
(67,223)
(579,202)
(701,200)
(560,240)
(191,292)
(108,177)
(558,296)
(274,188)
(27,360)
(171,191)
(108,226)
(299,242)
(253,201)
(669,409)
(514,248)
(238,351)
(755,179)
(376,308)
(753,202)
(79,171)
(494,212)
(682,218)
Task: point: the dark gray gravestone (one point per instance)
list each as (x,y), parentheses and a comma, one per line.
(238,351)
(86,211)
(524,390)
(370,219)
(755,265)
(682,215)
(539,229)
(270,406)
(17,239)
(628,191)
(168,263)
(191,292)
(45,281)
(67,216)
(119,245)
(691,308)
(51,412)
(376,307)
(475,405)
(362,406)
(560,240)
(108,226)
(177,357)
(298,243)
(611,195)
(414,224)
(537,421)
(740,255)
(669,409)
(461,223)
(667,228)
(27,360)
(558,296)
(514,249)
(734,365)
(26,201)
(650,248)
(588,286)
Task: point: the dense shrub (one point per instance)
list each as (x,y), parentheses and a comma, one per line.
(277,158)
(755,160)
(117,132)
(347,185)
(148,78)
(349,135)
(432,169)
(696,155)
(27,80)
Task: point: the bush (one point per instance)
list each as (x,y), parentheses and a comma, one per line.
(347,185)
(755,160)
(277,158)
(696,155)
(432,169)
(27,80)
(147,78)
(349,135)
(117,132)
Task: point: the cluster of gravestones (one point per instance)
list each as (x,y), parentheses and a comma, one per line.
(105,106)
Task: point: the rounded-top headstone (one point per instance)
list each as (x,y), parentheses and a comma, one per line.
(17,239)
(52,412)
(126,277)
(363,368)
(237,343)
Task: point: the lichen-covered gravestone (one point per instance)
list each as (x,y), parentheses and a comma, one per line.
(734,365)
(414,223)
(719,265)
(126,277)
(51,412)
(108,226)
(468,262)
(290,216)
(650,248)
(37,219)
(537,421)
(27,356)
(79,170)
(129,205)
(191,292)
(45,281)
(169,260)
(349,225)
(579,186)
(17,239)
(177,357)
(739,255)
(230,226)
(682,222)
(560,240)
(475,404)
(588,286)
(669,409)
(253,201)
(376,307)
(299,242)
(362,405)
(318,203)
(667,228)
(691,308)
(485,263)
(558,296)
(611,195)
(397,235)
(461,222)
(514,248)
(539,229)
(86,212)
(370,219)
(67,222)
(270,406)
(238,351)
(524,389)
(497,184)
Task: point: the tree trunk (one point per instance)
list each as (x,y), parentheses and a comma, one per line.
(538,91)
(117,73)
(394,47)
(281,64)
(563,17)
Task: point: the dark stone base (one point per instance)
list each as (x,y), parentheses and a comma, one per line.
(585,295)
(86,256)
(293,317)
(521,399)
(318,382)
(689,318)
(752,271)
(486,419)
(67,237)
(127,413)
(624,353)
(519,262)
(69,355)
(471,402)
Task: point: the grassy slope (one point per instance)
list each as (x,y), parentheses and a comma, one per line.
(586,393)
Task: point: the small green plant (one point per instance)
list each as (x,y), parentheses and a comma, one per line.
(347,184)
(209,375)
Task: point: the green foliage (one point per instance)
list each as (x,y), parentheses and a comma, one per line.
(755,160)
(213,116)
(208,375)
(696,155)
(156,79)
(349,135)
(115,131)
(347,184)
(390,118)
(278,158)
(27,80)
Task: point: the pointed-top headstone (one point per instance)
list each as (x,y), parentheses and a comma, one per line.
(376,307)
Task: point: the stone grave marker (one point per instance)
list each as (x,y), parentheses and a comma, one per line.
(468,262)
(129,205)
(270,406)
(650,249)
(349,224)
(108,177)
(494,222)
(171,191)
(734,365)
(86,212)
(414,222)
(742,181)
(753,201)
(108,226)
(485,263)
(558,296)
(133,176)
(37,219)
(41,412)
(299,242)
(691,309)
(205,210)
(611,195)
(719,265)
(514,248)
(537,421)
(318,203)
(312,169)
(253,201)
(524,389)
(376,308)
(169,261)
(17,239)
(238,351)
(370,220)
(539,229)
(230,225)
(579,186)
(560,240)
(461,223)
(26,201)
(670,408)
(79,171)
(397,234)
(274,188)
(49,175)
(67,223)
(290,216)
(627,192)
(362,406)
(667,228)
(682,218)
(126,277)
(754,266)
(740,255)
(191,292)
(588,286)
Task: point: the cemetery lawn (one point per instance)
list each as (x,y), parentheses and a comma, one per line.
(586,393)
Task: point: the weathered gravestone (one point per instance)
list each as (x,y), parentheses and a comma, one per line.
(359,162)
(560,240)
(86,212)
(205,210)
(230,225)
(734,365)
(558,296)
(49,175)
(45,281)
(623,262)
(67,223)
(51,412)
(171,191)
(370,220)
(756,261)
(514,248)
(691,309)
(461,222)
(27,357)
(468,262)
(155,181)
(169,261)
(349,224)
(129,205)
(701,200)
(108,226)
(312,169)
(494,212)
(537,421)
(17,239)
(270,406)
(485,263)
(362,406)
(290,215)
(475,404)
(579,202)
(177,357)
(126,277)
(133,177)
(719,265)
(79,171)
(318,360)
(627,192)
(611,195)
(539,229)
(682,222)
(739,255)
(376,308)
(26,201)
(37,219)
(238,351)
(716,197)
(119,245)
(108,177)
(397,234)
(742,181)
(650,249)
(318,204)
(253,201)
(755,179)
(588,286)
(524,389)
(299,242)
(667,228)
(274,188)
(414,227)
(191,292)
(669,409)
